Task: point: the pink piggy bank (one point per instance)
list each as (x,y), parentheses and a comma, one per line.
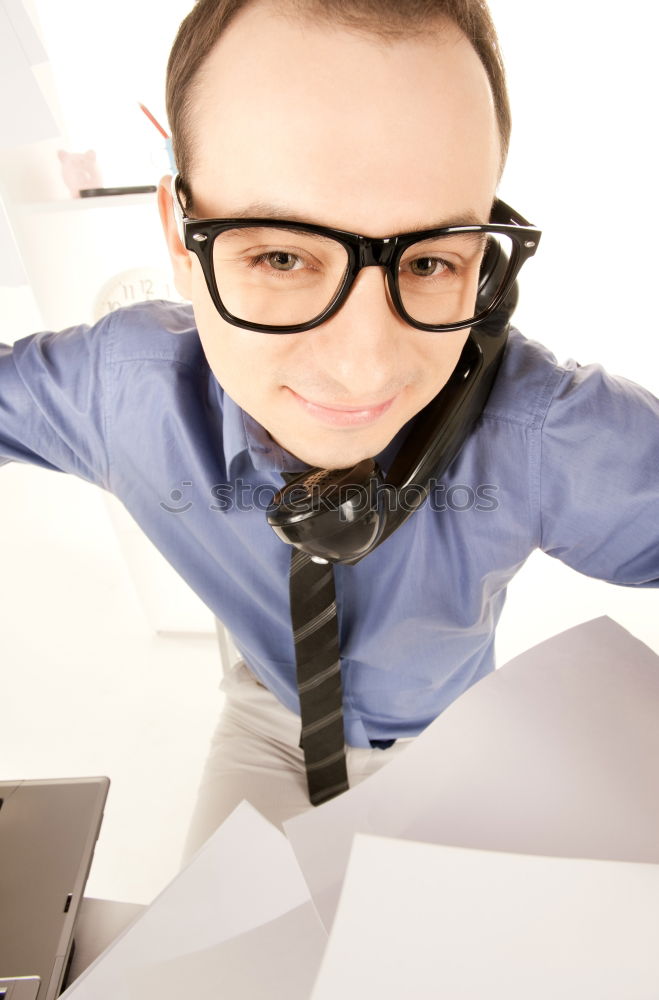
(80,170)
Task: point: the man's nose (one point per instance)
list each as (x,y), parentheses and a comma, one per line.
(361,346)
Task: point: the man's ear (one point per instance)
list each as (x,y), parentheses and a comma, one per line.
(180,257)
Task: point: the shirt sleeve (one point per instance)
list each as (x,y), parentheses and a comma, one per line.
(599,477)
(53,401)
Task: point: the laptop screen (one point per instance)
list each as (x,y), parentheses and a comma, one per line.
(48,830)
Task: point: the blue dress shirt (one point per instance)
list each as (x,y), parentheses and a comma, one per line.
(563,458)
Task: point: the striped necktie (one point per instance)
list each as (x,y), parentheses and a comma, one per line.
(316,637)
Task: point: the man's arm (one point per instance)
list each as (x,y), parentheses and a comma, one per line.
(52,402)
(599,478)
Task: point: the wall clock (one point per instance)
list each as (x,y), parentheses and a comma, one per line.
(138,284)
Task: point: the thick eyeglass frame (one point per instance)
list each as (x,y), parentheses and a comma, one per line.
(198,236)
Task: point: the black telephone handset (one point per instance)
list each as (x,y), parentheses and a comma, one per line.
(340,515)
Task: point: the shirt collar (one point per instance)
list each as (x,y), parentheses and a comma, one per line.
(244,437)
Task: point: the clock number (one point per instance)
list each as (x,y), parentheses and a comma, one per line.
(136,285)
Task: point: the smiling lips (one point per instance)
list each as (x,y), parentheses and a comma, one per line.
(344,416)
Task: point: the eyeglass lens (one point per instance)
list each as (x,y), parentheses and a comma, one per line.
(285,277)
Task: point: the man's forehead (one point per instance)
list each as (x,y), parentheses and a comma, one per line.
(324,126)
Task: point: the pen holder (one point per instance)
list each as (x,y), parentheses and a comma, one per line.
(170,153)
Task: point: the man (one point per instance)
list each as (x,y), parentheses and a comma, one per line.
(365,118)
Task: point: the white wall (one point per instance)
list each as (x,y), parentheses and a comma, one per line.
(584,81)
(102,67)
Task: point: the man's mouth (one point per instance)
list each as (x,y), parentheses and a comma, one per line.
(358,414)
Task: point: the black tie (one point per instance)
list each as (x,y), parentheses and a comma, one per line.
(315,632)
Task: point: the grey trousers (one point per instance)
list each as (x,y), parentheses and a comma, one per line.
(255,755)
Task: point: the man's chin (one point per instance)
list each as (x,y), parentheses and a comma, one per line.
(346,461)
(337,457)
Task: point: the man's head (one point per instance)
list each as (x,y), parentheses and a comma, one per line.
(348,115)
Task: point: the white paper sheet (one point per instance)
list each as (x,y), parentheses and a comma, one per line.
(428,922)
(556,753)
(277,961)
(244,876)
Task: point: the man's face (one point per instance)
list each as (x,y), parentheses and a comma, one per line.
(343,130)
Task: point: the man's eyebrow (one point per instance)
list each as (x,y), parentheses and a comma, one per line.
(264,210)
(468,218)
(279,213)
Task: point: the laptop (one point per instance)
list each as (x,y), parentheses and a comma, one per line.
(48,831)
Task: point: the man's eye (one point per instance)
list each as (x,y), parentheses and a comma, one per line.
(279,260)
(428,267)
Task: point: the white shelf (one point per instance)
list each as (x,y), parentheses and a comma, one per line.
(80,204)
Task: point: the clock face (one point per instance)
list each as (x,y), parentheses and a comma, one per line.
(136,285)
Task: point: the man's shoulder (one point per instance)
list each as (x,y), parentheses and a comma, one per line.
(156,331)
(526,382)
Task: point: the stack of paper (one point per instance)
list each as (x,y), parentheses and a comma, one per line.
(556,753)
(522,859)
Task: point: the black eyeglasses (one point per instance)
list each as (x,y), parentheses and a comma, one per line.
(276,276)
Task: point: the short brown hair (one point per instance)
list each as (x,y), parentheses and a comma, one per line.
(387,19)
